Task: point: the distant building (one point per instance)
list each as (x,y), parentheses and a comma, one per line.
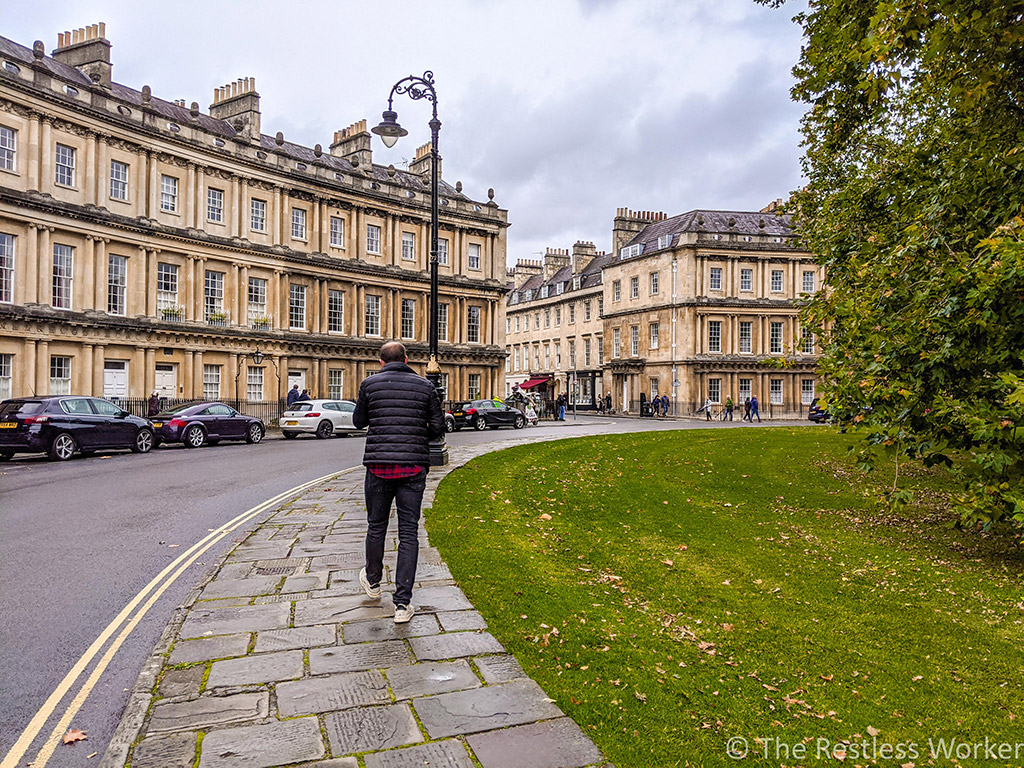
(696,306)
(146,245)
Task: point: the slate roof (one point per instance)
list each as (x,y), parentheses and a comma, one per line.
(714,222)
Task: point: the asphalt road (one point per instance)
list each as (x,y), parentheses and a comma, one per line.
(78,540)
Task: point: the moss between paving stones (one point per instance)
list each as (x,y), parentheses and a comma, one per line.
(672,590)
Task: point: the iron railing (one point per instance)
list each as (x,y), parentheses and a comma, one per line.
(267,411)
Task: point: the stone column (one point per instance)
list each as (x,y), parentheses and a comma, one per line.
(154,187)
(26,291)
(315,236)
(275,300)
(33,149)
(149,373)
(243,296)
(192,192)
(90,172)
(137,268)
(231,295)
(42,367)
(285,235)
(276,229)
(235,375)
(197,375)
(234,220)
(88,291)
(200,290)
(97,369)
(149,287)
(83,376)
(45,279)
(141,196)
(46,170)
(188,374)
(282,371)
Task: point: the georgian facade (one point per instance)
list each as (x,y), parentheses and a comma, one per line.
(145,245)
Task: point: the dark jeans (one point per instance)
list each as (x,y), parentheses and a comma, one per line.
(407,494)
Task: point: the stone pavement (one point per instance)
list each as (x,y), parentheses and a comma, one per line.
(280,659)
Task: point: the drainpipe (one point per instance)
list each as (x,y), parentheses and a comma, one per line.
(675,370)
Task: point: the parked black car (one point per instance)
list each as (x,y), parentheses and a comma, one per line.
(63,424)
(206,422)
(816,413)
(480,414)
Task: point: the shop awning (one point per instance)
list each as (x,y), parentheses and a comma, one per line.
(534,383)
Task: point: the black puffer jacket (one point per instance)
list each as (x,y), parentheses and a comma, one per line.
(403,413)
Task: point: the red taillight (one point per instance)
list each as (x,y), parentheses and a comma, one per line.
(311,415)
(470,411)
(36,419)
(176,423)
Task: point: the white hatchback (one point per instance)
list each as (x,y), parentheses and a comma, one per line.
(318,417)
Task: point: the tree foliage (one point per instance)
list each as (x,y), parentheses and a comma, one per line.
(914,205)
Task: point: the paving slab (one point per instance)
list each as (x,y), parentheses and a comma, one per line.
(371,728)
(552,744)
(453,645)
(253,670)
(206,648)
(386,629)
(327,694)
(263,746)
(430,599)
(499,669)
(305,582)
(439,754)
(484,709)
(295,637)
(355,658)
(453,621)
(247,587)
(247,618)
(175,751)
(247,553)
(182,682)
(431,678)
(208,711)
(332,610)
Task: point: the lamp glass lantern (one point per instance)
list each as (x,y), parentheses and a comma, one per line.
(389,130)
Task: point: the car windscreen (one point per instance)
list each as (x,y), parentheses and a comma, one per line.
(301,407)
(18,406)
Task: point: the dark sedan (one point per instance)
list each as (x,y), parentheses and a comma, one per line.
(198,423)
(60,425)
(480,414)
(816,413)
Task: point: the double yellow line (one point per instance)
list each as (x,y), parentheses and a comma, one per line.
(126,620)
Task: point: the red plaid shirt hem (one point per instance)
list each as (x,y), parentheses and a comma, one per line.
(394,471)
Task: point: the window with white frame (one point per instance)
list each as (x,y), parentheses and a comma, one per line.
(258,215)
(60,375)
(473,386)
(6,268)
(745,389)
(215,204)
(6,375)
(547,357)
(337,235)
(515,358)
(335,383)
(664,241)
(634,340)
(806,341)
(473,325)
(547,318)
(257,306)
(715,390)
(8,148)
(776,281)
(808,281)
(586,311)
(654,386)
(444,385)
(168,193)
(746,332)
(166,286)
(335,311)
(572,312)
(117,283)
(409,246)
(254,384)
(536,357)
(655,332)
(442,250)
(408,318)
(372,238)
(806,391)
(572,353)
(634,287)
(559,288)
(474,256)
(442,322)
(213,295)
(629,251)
(775,338)
(558,316)
(616,290)
(526,322)
(654,283)
(586,353)
(517,323)
(746,279)
(211,382)
(616,343)
(714,336)
(296,307)
(775,391)
(600,305)
(508,325)
(118,180)
(65,169)
(298,223)
(716,278)
(600,350)
(508,364)
(372,315)
(63,273)
(558,355)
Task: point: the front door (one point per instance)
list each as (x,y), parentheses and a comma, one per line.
(115,379)
(297,377)
(166,380)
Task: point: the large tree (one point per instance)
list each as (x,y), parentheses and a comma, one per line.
(914,204)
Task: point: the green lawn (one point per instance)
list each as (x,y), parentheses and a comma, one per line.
(674,589)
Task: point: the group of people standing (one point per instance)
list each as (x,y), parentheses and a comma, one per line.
(294,396)
(750,409)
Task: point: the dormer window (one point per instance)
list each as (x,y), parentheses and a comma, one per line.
(529,294)
(630,251)
(664,241)
(576,283)
(558,288)
(543,291)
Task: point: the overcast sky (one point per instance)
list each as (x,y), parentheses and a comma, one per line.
(569,109)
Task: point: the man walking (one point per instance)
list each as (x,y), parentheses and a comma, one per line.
(753,410)
(293,394)
(403,413)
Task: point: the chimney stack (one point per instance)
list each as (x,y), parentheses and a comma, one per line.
(628,223)
(238,103)
(88,50)
(554,260)
(421,165)
(353,144)
(583,253)
(525,269)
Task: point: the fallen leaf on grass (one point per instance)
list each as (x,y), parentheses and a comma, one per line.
(667,562)
(74,735)
(727,627)
(826,678)
(545,516)
(915,679)
(873,731)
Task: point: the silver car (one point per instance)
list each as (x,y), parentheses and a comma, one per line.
(318,417)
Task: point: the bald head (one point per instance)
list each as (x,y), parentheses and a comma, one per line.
(393,352)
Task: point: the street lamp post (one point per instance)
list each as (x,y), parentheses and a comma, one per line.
(390,132)
(257,358)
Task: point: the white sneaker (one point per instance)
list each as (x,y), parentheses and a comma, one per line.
(370,590)
(404,613)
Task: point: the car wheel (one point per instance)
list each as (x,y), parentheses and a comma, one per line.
(449,425)
(194,437)
(480,424)
(63,447)
(520,422)
(255,433)
(6,455)
(143,442)
(288,435)
(324,429)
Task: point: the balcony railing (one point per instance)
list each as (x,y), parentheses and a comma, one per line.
(173,314)
(260,323)
(219,319)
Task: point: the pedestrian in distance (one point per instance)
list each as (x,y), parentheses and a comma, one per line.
(664,405)
(656,405)
(293,394)
(707,409)
(728,409)
(303,397)
(401,411)
(608,403)
(746,409)
(561,403)
(753,410)
(153,405)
